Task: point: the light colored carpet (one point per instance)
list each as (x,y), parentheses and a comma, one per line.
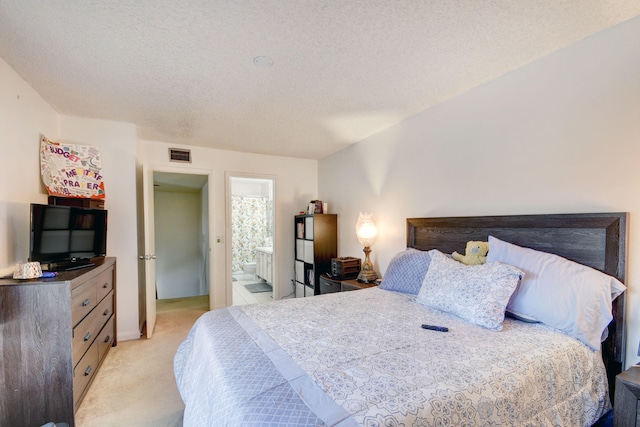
(135,385)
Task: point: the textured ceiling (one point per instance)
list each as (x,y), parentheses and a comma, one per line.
(184,72)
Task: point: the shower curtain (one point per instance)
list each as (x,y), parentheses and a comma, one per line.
(250,228)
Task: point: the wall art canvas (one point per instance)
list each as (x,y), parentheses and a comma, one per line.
(70,170)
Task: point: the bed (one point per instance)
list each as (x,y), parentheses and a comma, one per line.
(362,358)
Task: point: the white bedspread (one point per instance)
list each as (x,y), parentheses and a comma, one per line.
(362,358)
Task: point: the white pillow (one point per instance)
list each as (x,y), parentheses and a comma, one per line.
(476,293)
(563,294)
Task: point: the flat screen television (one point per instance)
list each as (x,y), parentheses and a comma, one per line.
(67,237)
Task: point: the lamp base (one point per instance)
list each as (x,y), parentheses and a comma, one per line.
(367,276)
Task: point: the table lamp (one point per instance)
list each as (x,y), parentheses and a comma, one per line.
(366,231)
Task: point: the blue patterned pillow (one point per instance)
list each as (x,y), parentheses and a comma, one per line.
(406,271)
(476,293)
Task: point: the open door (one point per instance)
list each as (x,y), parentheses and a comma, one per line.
(148,258)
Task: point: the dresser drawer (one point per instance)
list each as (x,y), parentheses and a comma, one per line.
(105,339)
(83,372)
(83,299)
(104,283)
(88,329)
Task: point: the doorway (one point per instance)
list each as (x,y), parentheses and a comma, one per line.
(181,235)
(251,221)
(177,180)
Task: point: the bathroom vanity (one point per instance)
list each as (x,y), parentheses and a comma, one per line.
(264,263)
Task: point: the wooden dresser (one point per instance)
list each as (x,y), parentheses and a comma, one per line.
(54,335)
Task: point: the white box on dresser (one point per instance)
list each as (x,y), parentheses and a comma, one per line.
(54,335)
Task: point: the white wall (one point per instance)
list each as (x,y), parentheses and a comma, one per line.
(296,182)
(179,262)
(117,144)
(24,116)
(561,135)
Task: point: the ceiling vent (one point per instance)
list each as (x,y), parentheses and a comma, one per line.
(179,155)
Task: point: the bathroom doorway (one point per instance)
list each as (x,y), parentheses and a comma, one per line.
(251,202)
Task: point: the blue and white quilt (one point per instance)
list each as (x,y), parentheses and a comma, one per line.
(362,358)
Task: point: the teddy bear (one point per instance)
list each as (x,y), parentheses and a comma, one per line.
(475,253)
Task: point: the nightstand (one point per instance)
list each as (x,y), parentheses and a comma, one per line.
(329,285)
(354,285)
(626,398)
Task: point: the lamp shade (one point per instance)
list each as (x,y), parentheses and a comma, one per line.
(366,229)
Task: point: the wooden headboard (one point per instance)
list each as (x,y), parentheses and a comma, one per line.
(594,239)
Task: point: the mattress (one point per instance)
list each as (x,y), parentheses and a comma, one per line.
(362,358)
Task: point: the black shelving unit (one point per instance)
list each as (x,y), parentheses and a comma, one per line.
(316,243)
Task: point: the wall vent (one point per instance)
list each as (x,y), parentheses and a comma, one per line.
(179,155)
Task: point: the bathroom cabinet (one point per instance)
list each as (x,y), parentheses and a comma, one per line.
(264,264)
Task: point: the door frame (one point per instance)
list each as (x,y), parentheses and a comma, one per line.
(185,170)
(229,235)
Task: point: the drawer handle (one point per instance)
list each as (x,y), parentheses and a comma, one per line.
(106,312)
(88,371)
(105,286)
(86,302)
(86,337)
(107,338)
